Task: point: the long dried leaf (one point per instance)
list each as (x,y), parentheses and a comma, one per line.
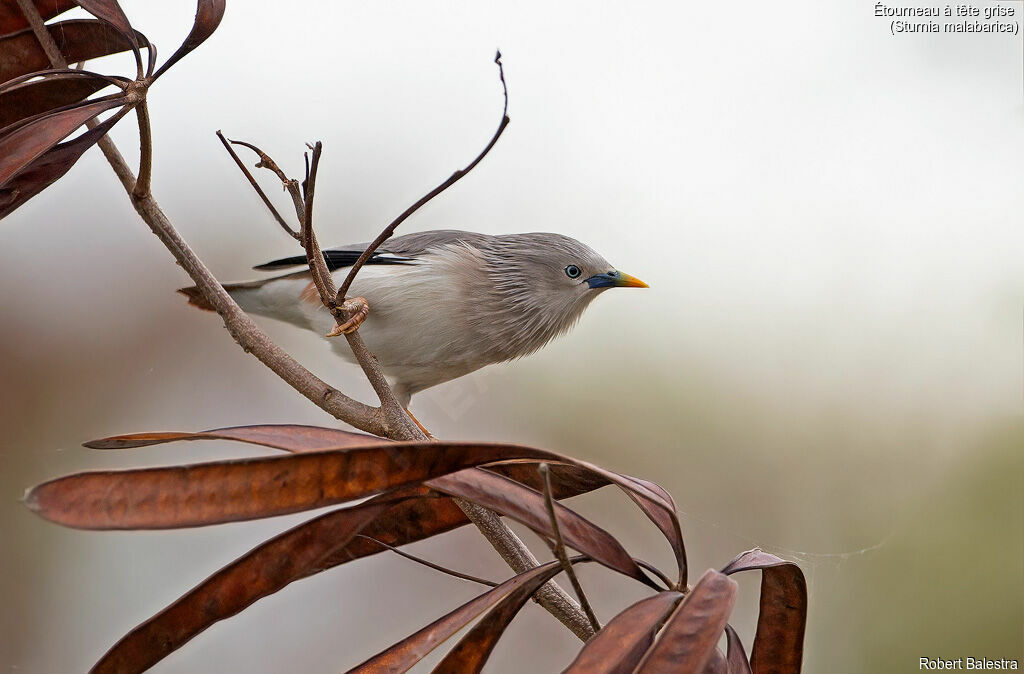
(20,148)
(620,644)
(49,168)
(225,491)
(261,572)
(12,18)
(779,640)
(77,39)
(528,506)
(566,480)
(407,652)
(736,655)
(472,651)
(211,493)
(666,520)
(208,16)
(289,437)
(38,96)
(688,641)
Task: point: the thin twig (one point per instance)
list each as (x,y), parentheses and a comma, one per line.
(144,181)
(545,474)
(454,178)
(259,190)
(432,565)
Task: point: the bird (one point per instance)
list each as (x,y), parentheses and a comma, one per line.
(442,303)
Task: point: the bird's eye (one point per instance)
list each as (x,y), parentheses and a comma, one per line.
(572,271)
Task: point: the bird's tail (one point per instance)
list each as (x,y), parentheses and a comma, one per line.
(196,298)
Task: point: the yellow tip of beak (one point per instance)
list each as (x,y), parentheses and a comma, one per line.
(627,281)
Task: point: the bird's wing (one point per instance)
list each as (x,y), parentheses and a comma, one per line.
(398,250)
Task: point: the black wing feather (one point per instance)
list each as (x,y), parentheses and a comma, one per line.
(335,259)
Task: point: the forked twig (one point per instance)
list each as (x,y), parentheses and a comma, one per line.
(255,185)
(545,474)
(454,178)
(432,565)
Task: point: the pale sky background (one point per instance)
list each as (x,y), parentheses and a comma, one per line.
(830,221)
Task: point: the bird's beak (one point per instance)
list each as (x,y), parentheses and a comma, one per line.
(615,279)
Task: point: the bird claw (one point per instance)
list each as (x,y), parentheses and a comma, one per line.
(357,309)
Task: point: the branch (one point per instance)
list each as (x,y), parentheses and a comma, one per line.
(142,185)
(454,178)
(545,473)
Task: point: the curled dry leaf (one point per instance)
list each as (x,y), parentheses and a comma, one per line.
(667,520)
(407,652)
(688,641)
(527,506)
(208,16)
(782,620)
(620,645)
(472,651)
(736,655)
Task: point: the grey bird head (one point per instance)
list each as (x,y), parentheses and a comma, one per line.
(540,285)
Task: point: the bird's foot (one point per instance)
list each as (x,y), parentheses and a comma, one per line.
(417,422)
(357,309)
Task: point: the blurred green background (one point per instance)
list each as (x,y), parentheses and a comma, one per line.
(828,362)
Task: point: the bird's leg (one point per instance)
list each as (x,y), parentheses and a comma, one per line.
(417,422)
(357,309)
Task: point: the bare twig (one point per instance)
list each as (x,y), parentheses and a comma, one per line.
(545,474)
(142,184)
(259,190)
(454,178)
(432,565)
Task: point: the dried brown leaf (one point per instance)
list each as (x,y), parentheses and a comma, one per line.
(208,16)
(226,491)
(779,640)
(736,655)
(472,651)
(77,39)
(528,506)
(38,96)
(289,437)
(667,520)
(19,148)
(688,641)
(48,168)
(407,652)
(620,644)
(268,568)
